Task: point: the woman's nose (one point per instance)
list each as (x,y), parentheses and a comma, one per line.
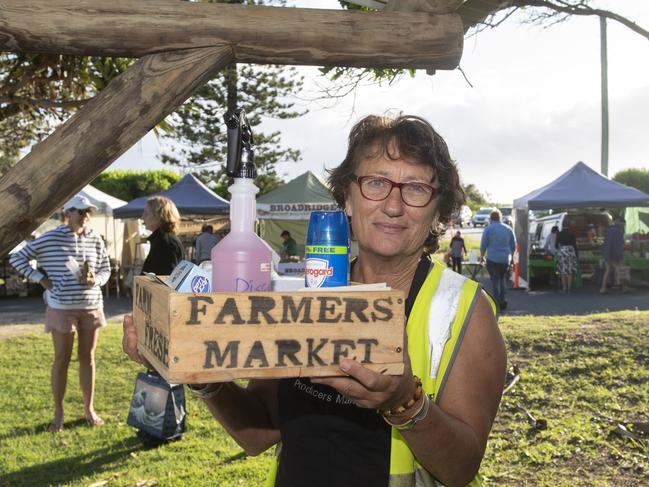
(393,204)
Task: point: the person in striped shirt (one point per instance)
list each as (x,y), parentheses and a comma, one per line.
(75,264)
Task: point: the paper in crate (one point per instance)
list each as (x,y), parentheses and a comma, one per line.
(215,337)
(189,278)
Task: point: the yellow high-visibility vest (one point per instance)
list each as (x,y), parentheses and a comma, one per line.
(439,318)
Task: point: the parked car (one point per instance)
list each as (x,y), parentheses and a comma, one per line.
(462,217)
(507,216)
(481,217)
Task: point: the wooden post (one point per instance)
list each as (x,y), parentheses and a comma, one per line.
(91,140)
(604,74)
(266,35)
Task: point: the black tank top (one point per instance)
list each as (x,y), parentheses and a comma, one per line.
(328,441)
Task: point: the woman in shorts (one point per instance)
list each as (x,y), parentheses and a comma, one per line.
(75,264)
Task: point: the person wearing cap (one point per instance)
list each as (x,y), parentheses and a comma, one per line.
(75,264)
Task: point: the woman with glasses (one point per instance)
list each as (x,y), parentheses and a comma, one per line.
(397,184)
(75,264)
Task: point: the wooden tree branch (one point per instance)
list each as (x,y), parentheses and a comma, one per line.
(266,35)
(42,103)
(581,8)
(91,140)
(474,12)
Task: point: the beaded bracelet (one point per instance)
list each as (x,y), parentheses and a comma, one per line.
(420,414)
(386,413)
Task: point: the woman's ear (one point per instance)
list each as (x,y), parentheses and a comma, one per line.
(348,208)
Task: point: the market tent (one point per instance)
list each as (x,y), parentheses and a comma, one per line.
(579,187)
(637,220)
(582,187)
(289,208)
(105,203)
(190,196)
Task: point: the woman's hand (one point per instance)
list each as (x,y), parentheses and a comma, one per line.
(369,389)
(129,341)
(46,283)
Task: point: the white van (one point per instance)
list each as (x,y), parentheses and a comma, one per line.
(586,224)
(589,227)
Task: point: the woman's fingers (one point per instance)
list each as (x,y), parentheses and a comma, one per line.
(129,339)
(365,387)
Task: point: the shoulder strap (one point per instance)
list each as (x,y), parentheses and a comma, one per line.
(423,268)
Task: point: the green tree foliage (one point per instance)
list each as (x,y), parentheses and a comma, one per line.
(635,177)
(262,92)
(39,91)
(128,185)
(474,197)
(198,126)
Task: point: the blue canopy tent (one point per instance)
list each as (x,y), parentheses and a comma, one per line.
(582,187)
(579,187)
(190,196)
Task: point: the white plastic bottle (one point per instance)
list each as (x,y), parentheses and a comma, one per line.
(241,261)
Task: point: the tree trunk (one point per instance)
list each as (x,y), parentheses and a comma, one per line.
(91,140)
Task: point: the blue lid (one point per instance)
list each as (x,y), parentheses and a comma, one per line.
(328,228)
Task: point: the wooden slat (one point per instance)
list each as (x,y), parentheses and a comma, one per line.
(266,35)
(92,139)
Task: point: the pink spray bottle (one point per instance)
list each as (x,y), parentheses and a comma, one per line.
(241,261)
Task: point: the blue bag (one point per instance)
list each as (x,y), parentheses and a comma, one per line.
(157,407)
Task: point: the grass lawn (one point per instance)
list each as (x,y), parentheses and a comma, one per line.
(581,374)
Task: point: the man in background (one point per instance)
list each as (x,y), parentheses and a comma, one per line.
(613,251)
(289,247)
(458,249)
(204,243)
(498,243)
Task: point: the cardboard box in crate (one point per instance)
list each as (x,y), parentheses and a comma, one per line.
(215,337)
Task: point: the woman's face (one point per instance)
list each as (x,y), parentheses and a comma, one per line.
(77,219)
(151,221)
(390,228)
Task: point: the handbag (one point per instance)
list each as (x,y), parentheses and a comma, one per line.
(157,407)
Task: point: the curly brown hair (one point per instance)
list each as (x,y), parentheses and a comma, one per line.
(166,211)
(413,138)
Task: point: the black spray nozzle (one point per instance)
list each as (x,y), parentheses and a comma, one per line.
(241,157)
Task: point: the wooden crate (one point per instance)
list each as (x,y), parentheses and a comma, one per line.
(215,337)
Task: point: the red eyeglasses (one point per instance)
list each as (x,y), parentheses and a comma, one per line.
(378,188)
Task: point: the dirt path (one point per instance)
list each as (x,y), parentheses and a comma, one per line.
(24,316)
(10,331)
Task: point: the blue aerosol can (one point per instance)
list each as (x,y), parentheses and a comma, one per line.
(327,250)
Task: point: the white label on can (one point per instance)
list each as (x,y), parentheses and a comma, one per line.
(316,271)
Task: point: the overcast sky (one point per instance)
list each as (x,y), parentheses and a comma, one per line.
(532,113)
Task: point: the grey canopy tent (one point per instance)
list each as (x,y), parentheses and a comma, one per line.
(289,208)
(579,187)
(190,196)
